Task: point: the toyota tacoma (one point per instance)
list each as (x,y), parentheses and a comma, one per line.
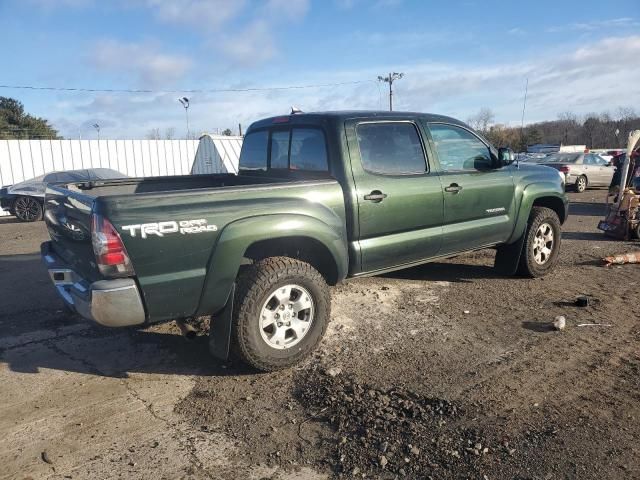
(319,197)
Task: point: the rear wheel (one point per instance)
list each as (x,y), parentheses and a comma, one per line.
(27,209)
(282,310)
(581,184)
(542,243)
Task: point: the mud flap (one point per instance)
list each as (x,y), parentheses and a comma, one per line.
(508,257)
(220,329)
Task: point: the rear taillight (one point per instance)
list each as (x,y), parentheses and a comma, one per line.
(111,255)
(564,169)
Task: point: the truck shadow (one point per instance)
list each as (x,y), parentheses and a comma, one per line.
(589,209)
(37,333)
(447,272)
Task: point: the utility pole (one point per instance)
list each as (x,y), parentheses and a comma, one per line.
(390,79)
(239,129)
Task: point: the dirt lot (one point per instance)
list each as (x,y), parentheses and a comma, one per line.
(442,371)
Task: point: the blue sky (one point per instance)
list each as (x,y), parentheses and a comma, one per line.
(457,56)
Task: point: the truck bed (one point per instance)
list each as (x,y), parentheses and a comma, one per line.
(171,268)
(128,186)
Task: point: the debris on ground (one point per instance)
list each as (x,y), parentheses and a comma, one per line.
(45,457)
(582,301)
(559,323)
(389,432)
(622,258)
(595,325)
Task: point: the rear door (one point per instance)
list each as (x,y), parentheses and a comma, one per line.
(592,170)
(479,200)
(399,196)
(602,172)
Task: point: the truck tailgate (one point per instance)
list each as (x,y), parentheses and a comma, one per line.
(68,219)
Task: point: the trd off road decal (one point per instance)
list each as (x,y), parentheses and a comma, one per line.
(160,229)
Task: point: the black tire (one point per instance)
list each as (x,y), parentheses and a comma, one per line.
(27,209)
(581,184)
(533,263)
(255,285)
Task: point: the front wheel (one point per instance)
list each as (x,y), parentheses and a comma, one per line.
(282,310)
(581,184)
(542,243)
(27,209)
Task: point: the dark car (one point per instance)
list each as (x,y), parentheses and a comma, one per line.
(25,199)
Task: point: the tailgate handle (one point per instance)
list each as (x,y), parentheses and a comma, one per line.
(453,188)
(375,196)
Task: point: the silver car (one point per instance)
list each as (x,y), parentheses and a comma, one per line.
(581,170)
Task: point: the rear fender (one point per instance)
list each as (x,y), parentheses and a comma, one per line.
(238,236)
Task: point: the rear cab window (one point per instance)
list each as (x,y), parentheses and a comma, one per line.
(293,149)
(391,148)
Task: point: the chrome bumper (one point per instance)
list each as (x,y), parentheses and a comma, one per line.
(113,303)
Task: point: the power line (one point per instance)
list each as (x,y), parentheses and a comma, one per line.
(204,90)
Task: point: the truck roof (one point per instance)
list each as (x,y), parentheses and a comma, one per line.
(341,115)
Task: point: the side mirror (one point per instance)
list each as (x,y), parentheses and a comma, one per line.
(506,156)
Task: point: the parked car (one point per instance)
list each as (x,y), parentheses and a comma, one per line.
(319,198)
(581,170)
(25,199)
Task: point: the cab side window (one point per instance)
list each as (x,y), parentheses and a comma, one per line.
(391,148)
(459,150)
(308,150)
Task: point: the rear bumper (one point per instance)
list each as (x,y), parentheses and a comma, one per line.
(113,303)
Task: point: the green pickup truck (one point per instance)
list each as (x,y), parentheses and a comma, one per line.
(320,197)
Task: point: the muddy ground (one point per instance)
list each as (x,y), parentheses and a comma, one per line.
(441,371)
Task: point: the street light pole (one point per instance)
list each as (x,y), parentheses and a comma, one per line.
(390,79)
(185,103)
(97,127)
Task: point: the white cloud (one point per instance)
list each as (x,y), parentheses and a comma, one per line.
(149,66)
(58,4)
(595,77)
(516,31)
(604,25)
(205,15)
(287,9)
(252,46)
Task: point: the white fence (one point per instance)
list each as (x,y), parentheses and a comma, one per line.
(25,159)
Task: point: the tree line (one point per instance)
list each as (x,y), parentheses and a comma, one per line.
(595,130)
(15,123)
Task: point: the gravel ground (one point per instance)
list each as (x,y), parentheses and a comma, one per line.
(443,371)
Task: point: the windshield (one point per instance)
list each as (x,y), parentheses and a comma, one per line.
(561,158)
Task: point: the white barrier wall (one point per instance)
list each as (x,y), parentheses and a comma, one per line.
(24,159)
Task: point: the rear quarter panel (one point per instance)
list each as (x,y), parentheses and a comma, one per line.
(172,269)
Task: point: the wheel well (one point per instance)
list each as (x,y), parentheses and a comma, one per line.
(303,248)
(554,203)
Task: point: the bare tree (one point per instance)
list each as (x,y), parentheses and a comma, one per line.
(169,133)
(153,134)
(481,120)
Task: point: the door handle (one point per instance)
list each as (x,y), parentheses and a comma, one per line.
(376,196)
(453,188)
